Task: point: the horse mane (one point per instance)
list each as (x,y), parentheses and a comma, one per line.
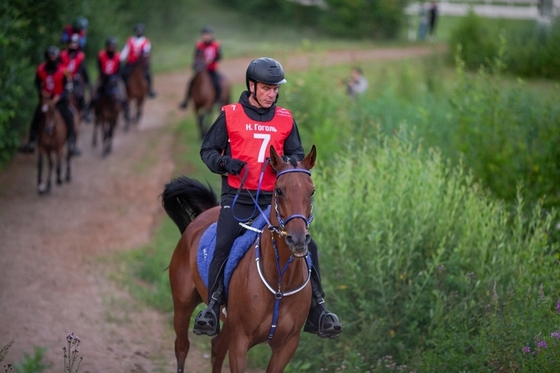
(184,199)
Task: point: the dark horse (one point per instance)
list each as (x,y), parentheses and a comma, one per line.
(137,88)
(257,312)
(52,133)
(107,109)
(203,94)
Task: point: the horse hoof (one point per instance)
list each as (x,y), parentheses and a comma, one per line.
(43,189)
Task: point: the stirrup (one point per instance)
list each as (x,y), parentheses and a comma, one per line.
(329,325)
(326,325)
(206,322)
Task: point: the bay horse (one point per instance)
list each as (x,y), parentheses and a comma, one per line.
(52,133)
(137,89)
(203,94)
(107,109)
(257,312)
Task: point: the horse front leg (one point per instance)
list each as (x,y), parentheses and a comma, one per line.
(201,128)
(40,186)
(59,155)
(238,346)
(94,137)
(220,344)
(281,355)
(68,167)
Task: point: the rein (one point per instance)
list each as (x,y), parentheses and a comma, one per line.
(278,294)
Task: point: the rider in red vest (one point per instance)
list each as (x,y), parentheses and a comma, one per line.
(231,145)
(73,59)
(209,51)
(79,27)
(108,65)
(50,80)
(135,47)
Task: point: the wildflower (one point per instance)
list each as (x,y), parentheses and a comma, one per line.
(555,335)
(558,306)
(526,349)
(471,276)
(441,268)
(542,344)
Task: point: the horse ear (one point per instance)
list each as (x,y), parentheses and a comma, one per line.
(276,160)
(309,160)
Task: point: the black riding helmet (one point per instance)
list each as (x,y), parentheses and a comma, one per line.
(139,29)
(265,70)
(80,24)
(52,52)
(207,30)
(111,42)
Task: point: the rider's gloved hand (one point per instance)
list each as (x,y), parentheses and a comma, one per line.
(232,165)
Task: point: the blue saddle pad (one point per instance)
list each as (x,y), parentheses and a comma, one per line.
(240,247)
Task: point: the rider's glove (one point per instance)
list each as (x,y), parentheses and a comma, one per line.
(232,165)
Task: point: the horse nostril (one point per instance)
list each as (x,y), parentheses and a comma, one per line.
(307,239)
(290,240)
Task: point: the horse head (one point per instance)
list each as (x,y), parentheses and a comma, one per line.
(293,200)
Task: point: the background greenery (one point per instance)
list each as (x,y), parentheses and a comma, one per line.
(435,210)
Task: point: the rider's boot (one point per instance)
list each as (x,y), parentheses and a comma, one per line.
(208,320)
(151,92)
(126,109)
(72,148)
(320,321)
(28,147)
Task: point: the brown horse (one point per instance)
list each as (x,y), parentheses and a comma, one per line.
(259,309)
(203,94)
(137,88)
(107,109)
(52,133)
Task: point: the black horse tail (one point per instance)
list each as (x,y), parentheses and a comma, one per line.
(184,199)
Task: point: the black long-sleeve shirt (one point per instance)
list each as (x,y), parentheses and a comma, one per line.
(216,145)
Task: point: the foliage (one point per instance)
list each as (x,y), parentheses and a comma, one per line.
(32,364)
(533,48)
(397,227)
(366,19)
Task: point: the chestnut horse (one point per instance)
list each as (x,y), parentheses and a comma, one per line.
(107,109)
(52,133)
(137,88)
(203,94)
(265,304)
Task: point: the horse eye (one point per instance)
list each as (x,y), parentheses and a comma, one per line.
(278,192)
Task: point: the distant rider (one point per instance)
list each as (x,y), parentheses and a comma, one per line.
(108,65)
(79,26)
(137,46)
(73,59)
(50,80)
(209,51)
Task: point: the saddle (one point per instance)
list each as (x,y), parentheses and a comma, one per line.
(241,245)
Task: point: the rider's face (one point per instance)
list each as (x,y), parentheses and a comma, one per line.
(207,37)
(266,94)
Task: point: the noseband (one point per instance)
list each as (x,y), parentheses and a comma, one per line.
(282,222)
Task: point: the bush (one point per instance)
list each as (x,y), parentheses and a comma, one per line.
(397,229)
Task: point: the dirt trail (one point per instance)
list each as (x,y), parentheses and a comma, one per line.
(52,280)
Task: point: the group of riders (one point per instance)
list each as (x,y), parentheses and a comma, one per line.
(61,79)
(227,149)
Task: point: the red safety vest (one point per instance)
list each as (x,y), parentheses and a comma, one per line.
(51,83)
(135,50)
(250,142)
(210,51)
(72,65)
(109,66)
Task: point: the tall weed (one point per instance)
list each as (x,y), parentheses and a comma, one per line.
(398,227)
